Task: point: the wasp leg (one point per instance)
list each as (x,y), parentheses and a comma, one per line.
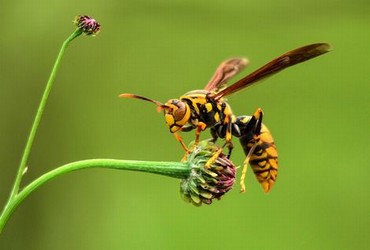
(217,154)
(199,128)
(230,147)
(245,168)
(226,131)
(228,136)
(214,135)
(213,158)
(253,131)
(179,139)
(228,142)
(187,128)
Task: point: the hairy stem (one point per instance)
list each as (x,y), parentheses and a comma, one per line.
(172,169)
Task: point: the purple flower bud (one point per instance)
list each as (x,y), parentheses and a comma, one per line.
(87,25)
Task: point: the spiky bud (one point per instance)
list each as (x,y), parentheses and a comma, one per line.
(207,183)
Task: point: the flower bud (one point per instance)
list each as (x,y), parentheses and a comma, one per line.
(207,183)
(87,25)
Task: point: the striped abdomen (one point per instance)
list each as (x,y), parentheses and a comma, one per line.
(264,159)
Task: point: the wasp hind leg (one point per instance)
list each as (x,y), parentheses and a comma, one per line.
(249,141)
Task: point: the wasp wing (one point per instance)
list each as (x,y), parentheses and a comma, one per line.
(224,72)
(282,62)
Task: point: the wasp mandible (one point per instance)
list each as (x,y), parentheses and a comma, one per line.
(207,108)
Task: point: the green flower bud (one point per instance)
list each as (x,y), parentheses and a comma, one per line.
(207,183)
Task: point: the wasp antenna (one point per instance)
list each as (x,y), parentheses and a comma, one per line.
(128,95)
(324,47)
(162,107)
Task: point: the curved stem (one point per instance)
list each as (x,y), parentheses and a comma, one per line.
(171,169)
(39,113)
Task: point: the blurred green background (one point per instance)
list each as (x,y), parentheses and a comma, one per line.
(318,113)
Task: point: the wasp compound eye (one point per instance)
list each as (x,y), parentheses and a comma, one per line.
(180,112)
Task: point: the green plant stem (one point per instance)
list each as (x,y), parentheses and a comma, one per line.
(36,122)
(39,113)
(171,169)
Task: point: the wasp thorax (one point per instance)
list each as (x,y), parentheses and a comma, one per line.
(177,114)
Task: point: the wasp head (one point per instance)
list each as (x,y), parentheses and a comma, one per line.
(176,112)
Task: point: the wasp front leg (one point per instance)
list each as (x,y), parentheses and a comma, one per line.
(199,128)
(179,139)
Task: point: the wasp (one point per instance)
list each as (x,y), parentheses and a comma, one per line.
(207,108)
